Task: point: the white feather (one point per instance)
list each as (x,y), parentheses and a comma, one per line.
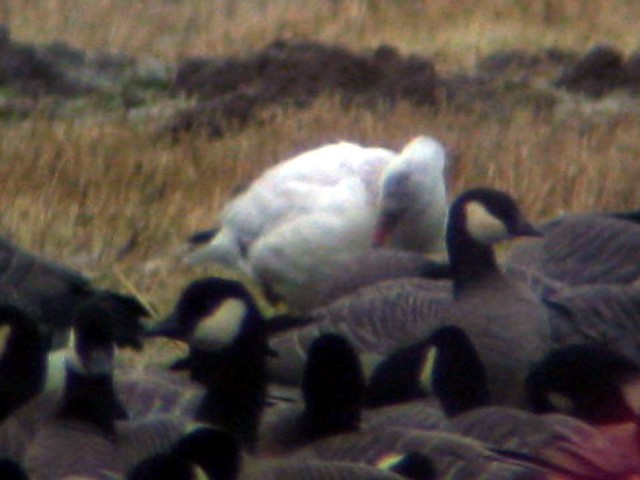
(326,202)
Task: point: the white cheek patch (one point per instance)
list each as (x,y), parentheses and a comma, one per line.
(221,328)
(427,370)
(561,403)
(199,473)
(55,371)
(388,461)
(5,331)
(631,394)
(483,226)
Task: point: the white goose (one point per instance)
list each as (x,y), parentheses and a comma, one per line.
(337,199)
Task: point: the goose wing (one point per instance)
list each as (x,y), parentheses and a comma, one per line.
(375,319)
(348,273)
(453,456)
(559,440)
(584,249)
(604,314)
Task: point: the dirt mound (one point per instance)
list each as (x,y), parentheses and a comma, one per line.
(230,92)
(600,71)
(294,74)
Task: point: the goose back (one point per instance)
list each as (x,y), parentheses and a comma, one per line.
(581,249)
(559,440)
(452,455)
(597,314)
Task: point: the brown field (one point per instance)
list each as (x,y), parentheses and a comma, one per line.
(109,197)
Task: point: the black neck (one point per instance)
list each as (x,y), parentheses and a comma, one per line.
(236,391)
(91,399)
(23,367)
(631,216)
(471,261)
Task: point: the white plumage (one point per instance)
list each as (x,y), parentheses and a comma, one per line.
(337,199)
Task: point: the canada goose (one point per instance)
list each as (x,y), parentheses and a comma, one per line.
(203,303)
(505,321)
(333,391)
(211,453)
(555,442)
(583,249)
(227,355)
(445,363)
(445,366)
(505,441)
(198,300)
(590,382)
(56,290)
(336,199)
(204,296)
(80,434)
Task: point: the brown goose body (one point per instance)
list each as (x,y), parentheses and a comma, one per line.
(583,249)
(565,442)
(506,322)
(423,414)
(348,273)
(318,470)
(453,456)
(64,448)
(598,314)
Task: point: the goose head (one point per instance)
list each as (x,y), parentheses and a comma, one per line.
(333,387)
(413,205)
(590,382)
(478,219)
(200,300)
(445,364)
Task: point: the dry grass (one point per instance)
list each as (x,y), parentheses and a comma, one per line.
(453,31)
(110,198)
